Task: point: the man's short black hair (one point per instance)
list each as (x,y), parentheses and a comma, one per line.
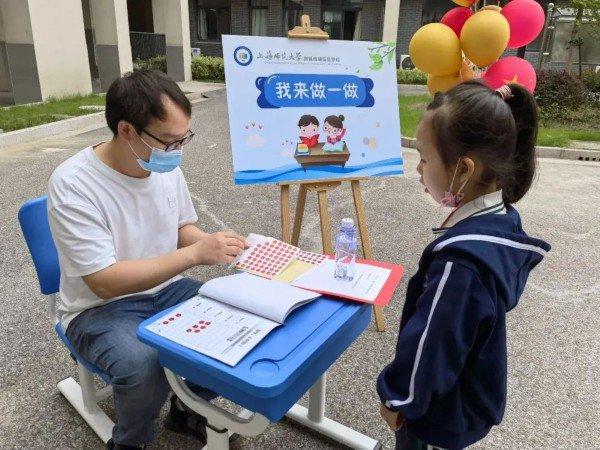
(136,97)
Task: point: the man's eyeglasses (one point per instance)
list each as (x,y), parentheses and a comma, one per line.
(174,145)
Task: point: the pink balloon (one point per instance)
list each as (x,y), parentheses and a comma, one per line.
(456,18)
(526,20)
(511,70)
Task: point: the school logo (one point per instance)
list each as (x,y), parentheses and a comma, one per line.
(242,56)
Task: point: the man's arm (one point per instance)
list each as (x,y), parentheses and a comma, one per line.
(189,234)
(129,277)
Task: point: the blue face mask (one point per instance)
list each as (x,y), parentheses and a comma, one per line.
(160,161)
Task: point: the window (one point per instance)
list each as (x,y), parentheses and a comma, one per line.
(341,18)
(258,17)
(292,10)
(433,10)
(356,4)
(214,19)
(333,23)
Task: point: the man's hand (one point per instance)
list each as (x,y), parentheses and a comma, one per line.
(394,419)
(218,248)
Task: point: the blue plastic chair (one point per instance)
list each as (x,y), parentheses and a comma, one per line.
(84,397)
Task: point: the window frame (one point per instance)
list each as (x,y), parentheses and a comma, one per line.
(219,6)
(251,8)
(287,9)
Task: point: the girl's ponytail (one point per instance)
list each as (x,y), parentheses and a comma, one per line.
(524,111)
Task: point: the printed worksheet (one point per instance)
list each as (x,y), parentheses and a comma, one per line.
(214,329)
(366,285)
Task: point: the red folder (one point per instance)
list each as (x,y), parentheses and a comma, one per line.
(388,289)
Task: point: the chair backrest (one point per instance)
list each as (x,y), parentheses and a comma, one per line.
(33,218)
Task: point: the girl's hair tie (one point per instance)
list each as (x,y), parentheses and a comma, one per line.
(504,92)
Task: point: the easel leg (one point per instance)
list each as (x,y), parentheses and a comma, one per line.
(325,223)
(285,213)
(300,205)
(366,243)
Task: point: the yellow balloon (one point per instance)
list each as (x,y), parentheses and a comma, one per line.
(484,37)
(435,49)
(442,83)
(466,3)
(492,8)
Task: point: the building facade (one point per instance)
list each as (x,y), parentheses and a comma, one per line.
(64,47)
(345,19)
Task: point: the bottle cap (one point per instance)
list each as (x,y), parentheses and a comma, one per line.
(347,223)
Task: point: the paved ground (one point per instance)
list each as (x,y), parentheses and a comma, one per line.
(554,335)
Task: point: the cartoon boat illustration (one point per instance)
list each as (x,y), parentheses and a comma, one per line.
(317,156)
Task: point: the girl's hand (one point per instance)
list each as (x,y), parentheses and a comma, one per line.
(394,419)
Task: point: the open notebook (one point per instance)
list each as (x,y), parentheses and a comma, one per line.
(230,315)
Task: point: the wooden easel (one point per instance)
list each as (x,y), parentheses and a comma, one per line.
(322,187)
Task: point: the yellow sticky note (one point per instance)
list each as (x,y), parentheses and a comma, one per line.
(293,270)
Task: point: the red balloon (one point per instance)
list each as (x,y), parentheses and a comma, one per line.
(526,20)
(511,70)
(456,18)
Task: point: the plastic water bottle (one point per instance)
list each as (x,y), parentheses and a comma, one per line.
(345,251)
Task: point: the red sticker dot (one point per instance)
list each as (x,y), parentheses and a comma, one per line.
(188,330)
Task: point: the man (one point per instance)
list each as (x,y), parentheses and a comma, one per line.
(123,223)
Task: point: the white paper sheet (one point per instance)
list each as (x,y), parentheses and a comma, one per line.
(267,298)
(366,285)
(214,329)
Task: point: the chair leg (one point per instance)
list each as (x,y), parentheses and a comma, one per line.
(88,390)
(84,399)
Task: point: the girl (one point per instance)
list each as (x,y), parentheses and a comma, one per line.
(335,131)
(446,386)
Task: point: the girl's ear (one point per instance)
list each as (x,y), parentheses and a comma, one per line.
(466,169)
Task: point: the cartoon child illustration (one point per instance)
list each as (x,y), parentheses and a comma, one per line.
(309,136)
(335,131)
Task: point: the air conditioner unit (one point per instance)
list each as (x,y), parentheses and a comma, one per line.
(406,62)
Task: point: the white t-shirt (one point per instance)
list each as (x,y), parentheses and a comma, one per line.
(99,216)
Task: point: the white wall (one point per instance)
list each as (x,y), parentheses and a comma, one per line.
(158,16)
(60,49)
(5,84)
(17,27)
(111,27)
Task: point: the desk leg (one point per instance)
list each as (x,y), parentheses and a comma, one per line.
(316,399)
(221,423)
(216,439)
(314,418)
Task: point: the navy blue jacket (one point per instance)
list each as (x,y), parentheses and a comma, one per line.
(449,373)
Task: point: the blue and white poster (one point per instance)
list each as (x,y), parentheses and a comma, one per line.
(303,109)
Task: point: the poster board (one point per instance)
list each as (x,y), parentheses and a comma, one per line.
(302,110)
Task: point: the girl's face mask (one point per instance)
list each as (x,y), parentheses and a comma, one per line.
(449,199)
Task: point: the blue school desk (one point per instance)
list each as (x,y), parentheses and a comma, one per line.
(268,381)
